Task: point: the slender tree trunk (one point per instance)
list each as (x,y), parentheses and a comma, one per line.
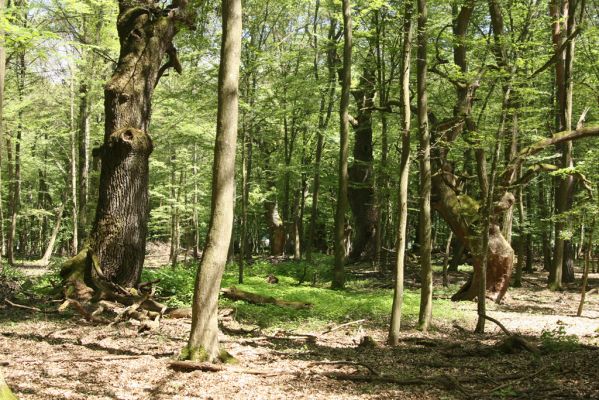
(546,226)
(2,75)
(84,158)
(324,116)
(446,259)
(426,290)
(521,240)
(195,221)
(73,183)
(174,249)
(203,340)
(404,175)
(587,261)
(340,248)
(16,177)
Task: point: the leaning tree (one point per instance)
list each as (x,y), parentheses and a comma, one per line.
(494,256)
(115,249)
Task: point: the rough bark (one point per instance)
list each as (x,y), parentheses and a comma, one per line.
(562,14)
(118,235)
(277,228)
(340,248)
(361,194)
(203,340)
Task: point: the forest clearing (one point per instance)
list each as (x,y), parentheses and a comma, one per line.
(217,199)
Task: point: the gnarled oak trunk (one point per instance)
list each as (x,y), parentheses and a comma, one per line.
(118,236)
(461,213)
(361,194)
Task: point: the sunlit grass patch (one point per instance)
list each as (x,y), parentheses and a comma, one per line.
(357,301)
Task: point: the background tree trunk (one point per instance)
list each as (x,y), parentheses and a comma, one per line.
(340,243)
(2,76)
(361,173)
(426,289)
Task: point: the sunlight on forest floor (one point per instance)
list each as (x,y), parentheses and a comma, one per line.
(50,356)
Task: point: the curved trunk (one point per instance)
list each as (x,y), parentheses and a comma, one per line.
(118,235)
(460,213)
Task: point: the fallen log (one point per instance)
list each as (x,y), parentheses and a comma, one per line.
(233,293)
(188,366)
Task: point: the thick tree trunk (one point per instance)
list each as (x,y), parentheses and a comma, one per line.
(562,13)
(277,229)
(343,178)
(203,340)
(361,194)
(118,236)
(460,213)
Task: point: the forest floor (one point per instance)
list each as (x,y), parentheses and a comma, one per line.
(60,356)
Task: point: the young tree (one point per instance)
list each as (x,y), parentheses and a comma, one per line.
(426,291)
(203,340)
(340,249)
(2,76)
(404,175)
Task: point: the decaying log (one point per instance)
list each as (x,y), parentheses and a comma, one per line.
(235,294)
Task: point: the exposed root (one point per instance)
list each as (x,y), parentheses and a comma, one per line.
(514,342)
(88,292)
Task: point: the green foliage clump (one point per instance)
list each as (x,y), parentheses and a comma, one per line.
(176,284)
(557,340)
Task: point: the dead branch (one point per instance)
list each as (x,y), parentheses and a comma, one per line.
(514,341)
(81,310)
(332,329)
(15,305)
(352,363)
(526,377)
(499,324)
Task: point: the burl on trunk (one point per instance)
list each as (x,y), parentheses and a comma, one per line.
(116,245)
